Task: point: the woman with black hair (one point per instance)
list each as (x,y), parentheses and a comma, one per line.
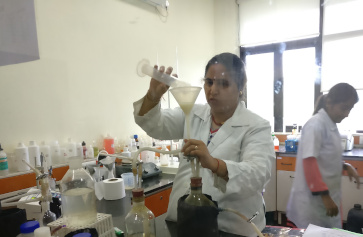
(234,145)
(315,197)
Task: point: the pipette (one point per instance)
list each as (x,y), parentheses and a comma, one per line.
(144,68)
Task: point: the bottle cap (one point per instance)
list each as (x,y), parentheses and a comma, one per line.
(357,206)
(135,136)
(196,181)
(29,227)
(32,143)
(83,143)
(138,192)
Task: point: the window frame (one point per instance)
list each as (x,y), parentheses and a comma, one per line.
(275,48)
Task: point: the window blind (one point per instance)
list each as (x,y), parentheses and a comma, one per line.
(270,21)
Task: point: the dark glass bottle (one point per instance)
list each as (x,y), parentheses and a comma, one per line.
(197,213)
(355,219)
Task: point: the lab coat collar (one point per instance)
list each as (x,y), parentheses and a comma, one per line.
(329,121)
(238,119)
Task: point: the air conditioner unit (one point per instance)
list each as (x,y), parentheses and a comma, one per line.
(156,3)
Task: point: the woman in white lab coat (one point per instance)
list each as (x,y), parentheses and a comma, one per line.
(233,144)
(315,197)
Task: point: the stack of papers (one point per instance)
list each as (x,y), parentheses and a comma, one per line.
(317,231)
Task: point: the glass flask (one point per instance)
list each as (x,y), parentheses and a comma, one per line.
(197,213)
(78,195)
(140,221)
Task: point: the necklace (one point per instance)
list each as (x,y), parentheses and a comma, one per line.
(219,124)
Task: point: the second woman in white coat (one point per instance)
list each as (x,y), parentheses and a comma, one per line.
(315,197)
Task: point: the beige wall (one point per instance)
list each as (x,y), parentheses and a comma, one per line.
(85,82)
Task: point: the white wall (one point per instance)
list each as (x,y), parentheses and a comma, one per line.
(85,82)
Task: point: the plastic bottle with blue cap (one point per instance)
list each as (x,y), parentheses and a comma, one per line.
(27,229)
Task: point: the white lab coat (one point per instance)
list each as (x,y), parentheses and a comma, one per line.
(319,138)
(243,142)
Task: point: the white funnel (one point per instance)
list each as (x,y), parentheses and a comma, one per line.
(186,96)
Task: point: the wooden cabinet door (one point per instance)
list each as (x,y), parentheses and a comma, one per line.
(284,184)
(158,202)
(285,163)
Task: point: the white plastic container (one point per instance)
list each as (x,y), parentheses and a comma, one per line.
(34,154)
(47,157)
(71,148)
(79,149)
(126,152)
(21,153)
(42,232)
(90,152)
(55,152)
(63,156)
(4,167)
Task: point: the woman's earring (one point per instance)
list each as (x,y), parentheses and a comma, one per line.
(240,92)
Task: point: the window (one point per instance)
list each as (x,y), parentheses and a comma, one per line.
(303,68)
(284,91)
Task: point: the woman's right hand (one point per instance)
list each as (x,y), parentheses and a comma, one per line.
(157,88)
(331,207)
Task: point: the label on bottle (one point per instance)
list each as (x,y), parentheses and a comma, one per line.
(4,163)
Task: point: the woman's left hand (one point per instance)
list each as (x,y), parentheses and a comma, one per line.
(352,173)
(198,149)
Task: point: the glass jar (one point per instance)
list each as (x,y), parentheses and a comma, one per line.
(140,221)
(78,195)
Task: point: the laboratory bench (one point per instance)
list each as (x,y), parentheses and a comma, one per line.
(156,187)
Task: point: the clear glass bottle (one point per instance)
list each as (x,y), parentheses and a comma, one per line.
(78,195)
(140,221)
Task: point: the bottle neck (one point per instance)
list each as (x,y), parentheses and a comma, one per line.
(196,190)
(138,201)
(45,206)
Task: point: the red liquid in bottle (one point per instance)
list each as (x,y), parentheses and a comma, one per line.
(108,144)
